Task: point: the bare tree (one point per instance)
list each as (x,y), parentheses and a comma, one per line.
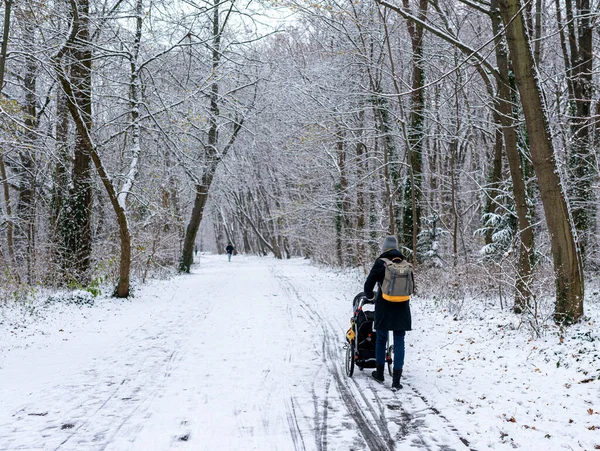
(566,257)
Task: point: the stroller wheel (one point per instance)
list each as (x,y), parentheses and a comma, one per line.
(350,359)
(389,359)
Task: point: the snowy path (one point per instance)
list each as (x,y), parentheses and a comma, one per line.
(210,362)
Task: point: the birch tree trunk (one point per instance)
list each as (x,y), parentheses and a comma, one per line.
(135,100)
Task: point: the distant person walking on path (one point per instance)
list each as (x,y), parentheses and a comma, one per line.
(389,315)
(229,249)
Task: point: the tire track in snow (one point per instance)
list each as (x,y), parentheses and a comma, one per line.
(329,356)
(374,441)
(380,417)
(175,356)
(129,387)
(403,420)
(323,435)
(440,415)
(297,437)
(320,416)
(154,355)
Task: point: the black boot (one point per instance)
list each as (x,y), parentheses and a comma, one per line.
(378,373)
(396,385)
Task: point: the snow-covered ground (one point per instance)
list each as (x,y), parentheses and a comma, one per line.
(249,355)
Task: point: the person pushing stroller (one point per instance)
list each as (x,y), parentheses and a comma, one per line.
(389,316)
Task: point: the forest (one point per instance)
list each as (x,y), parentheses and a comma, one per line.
(134,132)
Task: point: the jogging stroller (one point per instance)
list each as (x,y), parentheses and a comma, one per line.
(361,338)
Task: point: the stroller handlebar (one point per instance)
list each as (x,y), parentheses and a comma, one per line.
(359,301)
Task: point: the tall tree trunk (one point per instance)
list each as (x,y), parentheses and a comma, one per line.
(341,201)
(413,191)
(212,156)
(453,188)
(61,177)
(361,150)
(495,177)
(391,173)
(76,222)
(78,93)
(3,175)
(537,34)
(26,204)
(508,120)
(191,231)
(566,257)
(187,257)
(578,64)
(135,104)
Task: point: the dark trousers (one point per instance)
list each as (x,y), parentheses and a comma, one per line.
(381,347)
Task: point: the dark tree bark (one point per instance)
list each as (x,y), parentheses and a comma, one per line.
(212,156)
(578,64)
(76,221)
(342,204)
(507,121)
(361,150)
(79,104)
(566,257)
(26,201)
(61,171)
(504,118)
(5,186)
(495,177)
(411,218)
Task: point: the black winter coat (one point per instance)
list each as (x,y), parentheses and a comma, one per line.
(388,315)
(229,249)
